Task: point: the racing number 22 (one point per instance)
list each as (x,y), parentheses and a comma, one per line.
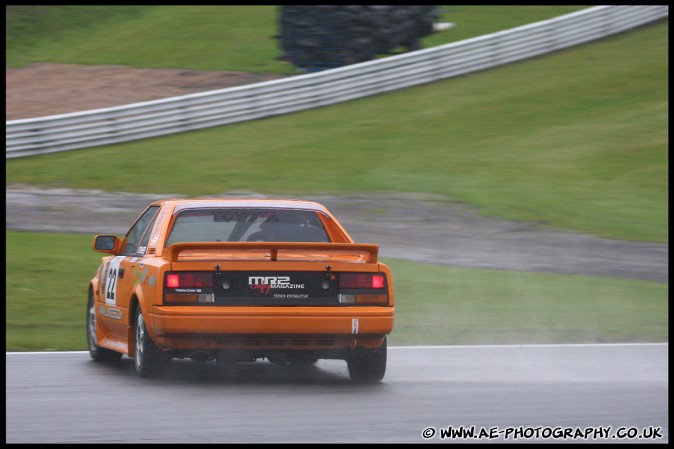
(111,280)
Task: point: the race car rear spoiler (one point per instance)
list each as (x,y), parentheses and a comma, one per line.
(274,251)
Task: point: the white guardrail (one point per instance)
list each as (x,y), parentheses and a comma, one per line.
(106,126)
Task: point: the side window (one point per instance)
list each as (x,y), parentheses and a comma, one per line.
(136,238)
(142,249)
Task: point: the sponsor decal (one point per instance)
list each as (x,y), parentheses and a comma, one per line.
(157,227)
(114,313)
(245,216)
(291,296)
(140,277)
(110,312)
(354,325)
(266,284)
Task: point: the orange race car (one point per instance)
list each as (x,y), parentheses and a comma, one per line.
(236,280)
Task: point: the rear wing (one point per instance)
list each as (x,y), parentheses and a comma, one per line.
(273,251)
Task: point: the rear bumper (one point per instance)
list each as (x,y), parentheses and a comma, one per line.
(194,327)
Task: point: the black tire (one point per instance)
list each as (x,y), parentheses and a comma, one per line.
(150,361)
(367,365)
(96,352)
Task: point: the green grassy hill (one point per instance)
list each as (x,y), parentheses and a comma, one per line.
(200,37)
(577,139)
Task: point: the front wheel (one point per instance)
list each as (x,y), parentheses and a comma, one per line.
(367,365)
(150,361)
(96,352)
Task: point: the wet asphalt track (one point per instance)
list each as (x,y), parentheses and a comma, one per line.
(510,391)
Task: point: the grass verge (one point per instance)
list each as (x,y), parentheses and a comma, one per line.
(47,278)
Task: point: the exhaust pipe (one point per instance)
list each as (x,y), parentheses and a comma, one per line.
(231,356)
(200,356)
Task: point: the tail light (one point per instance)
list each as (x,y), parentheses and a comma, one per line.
(360,280)
(189,280)
(363,288)
(187,287)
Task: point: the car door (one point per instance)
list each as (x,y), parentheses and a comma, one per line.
(120,274)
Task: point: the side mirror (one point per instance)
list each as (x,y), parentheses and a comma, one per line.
(109,244)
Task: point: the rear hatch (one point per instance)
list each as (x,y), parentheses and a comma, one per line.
(235,278)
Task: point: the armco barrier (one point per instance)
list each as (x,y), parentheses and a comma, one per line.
(221,107)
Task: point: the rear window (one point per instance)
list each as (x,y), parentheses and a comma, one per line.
(246,225)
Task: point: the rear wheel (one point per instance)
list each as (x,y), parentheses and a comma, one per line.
(96,352)
(150,360)
(367,365)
